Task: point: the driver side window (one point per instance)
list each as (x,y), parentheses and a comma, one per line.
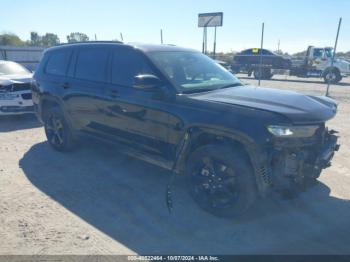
(126,64)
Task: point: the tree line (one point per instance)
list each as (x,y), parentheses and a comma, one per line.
(50,39)
(46,40)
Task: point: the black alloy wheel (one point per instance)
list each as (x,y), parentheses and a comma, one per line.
(58,132)
(221,180)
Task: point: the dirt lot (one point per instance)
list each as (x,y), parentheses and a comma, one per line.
(96,201)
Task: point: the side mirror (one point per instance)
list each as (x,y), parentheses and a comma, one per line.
(146,82)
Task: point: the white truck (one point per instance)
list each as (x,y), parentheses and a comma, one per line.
(318,63)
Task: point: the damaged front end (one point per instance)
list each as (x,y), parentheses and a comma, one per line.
(290,164)
(16,98)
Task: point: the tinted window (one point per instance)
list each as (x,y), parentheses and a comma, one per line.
(266,52)
(91,64)
(318,52)
(127,64)
(58,62)
(247,52)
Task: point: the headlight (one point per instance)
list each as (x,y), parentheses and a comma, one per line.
(292,131)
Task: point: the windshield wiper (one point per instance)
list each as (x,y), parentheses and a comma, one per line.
(231,85)
(199,90)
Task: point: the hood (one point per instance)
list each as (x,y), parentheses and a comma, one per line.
(343,65)
(6,80)
(298,108)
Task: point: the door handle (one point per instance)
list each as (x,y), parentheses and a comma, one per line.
(114,93)
(66,85)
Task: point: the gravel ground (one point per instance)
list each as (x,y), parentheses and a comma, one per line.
(96,201)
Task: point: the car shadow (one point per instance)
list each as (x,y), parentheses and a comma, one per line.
(295,81)
(125,199)
(18,122)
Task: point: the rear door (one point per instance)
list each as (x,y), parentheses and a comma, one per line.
(52,73)
(85,87)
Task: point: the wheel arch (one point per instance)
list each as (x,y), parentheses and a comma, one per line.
(204,135)
(48,102)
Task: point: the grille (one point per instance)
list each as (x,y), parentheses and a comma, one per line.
(5,88)
(16,87)
(264,175)
(21,87)
(27,96)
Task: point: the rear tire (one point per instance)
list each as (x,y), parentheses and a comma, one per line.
(221,180)
(57,130)
(332,76)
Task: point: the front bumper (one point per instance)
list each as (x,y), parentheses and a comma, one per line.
(12,103)
(289,166)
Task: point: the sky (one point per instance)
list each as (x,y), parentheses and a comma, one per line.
(295,23)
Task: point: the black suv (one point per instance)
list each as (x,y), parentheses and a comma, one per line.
(180,110)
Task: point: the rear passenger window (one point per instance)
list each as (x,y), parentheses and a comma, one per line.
(127,64)
(91,64)
(247,52)
(266,52)
(57,63)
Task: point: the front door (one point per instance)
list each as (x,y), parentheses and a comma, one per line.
(135,115)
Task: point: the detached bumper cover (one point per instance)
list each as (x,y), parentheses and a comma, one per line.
(327,151)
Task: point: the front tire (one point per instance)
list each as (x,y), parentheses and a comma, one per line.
(57,130)
(221,180)
(265,74)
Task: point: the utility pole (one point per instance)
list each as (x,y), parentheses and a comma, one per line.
(161,36)
(95,37)
(278,45)
(121,37)
(261,47)
(203,40)
(214,51)
(334,51)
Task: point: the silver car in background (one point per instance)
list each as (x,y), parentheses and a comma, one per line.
(15,89)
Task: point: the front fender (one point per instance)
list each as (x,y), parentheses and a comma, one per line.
(255,153)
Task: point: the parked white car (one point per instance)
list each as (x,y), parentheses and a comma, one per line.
(15,89)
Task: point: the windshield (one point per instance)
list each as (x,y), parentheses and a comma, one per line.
(329,52)
(193,72)
(11,68)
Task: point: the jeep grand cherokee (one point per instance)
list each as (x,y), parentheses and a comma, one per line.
(180,110)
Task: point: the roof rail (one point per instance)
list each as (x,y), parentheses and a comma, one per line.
(89,42)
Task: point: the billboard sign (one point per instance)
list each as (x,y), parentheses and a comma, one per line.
(210,19)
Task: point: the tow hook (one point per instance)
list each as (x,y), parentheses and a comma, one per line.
(180,151)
